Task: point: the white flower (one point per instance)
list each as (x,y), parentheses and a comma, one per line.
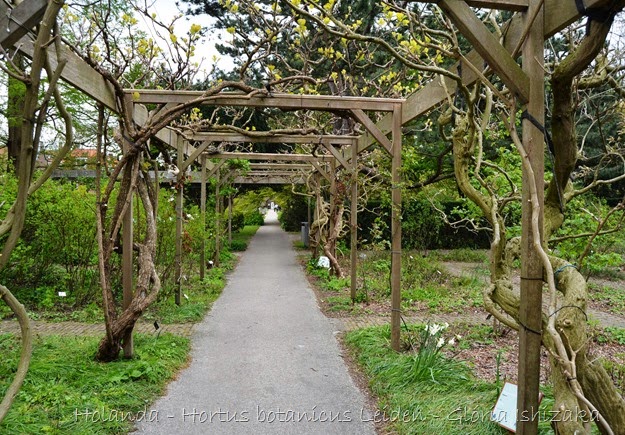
(458,336)
(434,329)
(172,199)
(190,216)
(451,341)
(440,343)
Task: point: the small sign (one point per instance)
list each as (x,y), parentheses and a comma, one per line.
(504,412)
(323,262)
(62,294)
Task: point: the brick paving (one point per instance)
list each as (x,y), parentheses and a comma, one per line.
(341,324)
(94,329)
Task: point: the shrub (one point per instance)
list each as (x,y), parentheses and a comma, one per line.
(238,221)
(238,246)
(254,218)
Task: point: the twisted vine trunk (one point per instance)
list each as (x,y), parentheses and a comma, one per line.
(334,232)
(119,326)
(23,144)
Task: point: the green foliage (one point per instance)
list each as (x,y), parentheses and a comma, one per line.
(613,298)
(612,334)
(58,251)
(255,218)
(421,224)
(198,297)
(237,246)
(64,385)
(250,201)
(294,212)
(238,221)
(422,391)
(606,254)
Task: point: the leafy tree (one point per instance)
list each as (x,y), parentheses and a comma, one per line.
(411,44)
(34,110)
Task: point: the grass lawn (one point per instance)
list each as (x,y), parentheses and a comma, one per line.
(421,391)
(67,392)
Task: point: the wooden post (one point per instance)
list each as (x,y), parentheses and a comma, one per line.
(353,218)
(531,267)
(396,230)
(179,217)
(127,269)
(217,220)
(332,223)
(317,215)
(203,217)
(230,220)
(308,216)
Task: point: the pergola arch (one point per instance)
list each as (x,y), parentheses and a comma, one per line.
(533,21)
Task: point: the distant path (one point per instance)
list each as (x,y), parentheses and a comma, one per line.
(265,360)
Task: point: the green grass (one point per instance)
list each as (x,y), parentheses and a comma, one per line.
(423,394)
(200,296)
(245,234)
(440,397)
(65,386)
(425,284)
(612,297)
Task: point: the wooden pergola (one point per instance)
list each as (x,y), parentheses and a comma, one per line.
(532,22)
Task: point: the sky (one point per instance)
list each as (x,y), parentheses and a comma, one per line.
(166,10)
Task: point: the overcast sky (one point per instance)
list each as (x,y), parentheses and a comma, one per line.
(166,10)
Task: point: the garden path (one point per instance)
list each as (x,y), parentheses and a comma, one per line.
(265,359)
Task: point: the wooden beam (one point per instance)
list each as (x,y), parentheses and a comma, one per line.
(373,129)
(274,173)
(269,156)
(77,73)
(488,46)
(281,101)
(167,135)
(293,166)
(504,5)
(16,22)
(558,15)
(194,155)
(324,173)
(195,177)
(337,155)
(272,138)
(530,312)
(213,171)
(268,180)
